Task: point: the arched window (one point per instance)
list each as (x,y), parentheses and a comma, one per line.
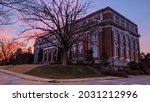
(116,33)
(122,36)
(127,52)
(73,52)
(80,51)
(116,49)
(132,54)
(122,51)
(94,44)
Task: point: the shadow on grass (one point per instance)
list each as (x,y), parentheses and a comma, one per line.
(63,72)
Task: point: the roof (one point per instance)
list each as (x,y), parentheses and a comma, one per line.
(105,9)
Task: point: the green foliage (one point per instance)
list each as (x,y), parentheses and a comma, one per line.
(134,72)
(89,57)
(133,65)
(104,58)
(23,57)
(142,67)
(145,63)
(117,73)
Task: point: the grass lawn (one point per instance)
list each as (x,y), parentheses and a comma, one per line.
(60,72)
(20,68)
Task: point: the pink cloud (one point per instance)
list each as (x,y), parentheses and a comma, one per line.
(7,30)
(31,37)
(4,36)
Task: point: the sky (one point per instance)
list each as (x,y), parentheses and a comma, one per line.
(137,11)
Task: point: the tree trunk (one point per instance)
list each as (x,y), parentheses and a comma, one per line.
(65,57)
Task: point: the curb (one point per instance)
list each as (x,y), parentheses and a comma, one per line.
(33,78)
(87,79)
(26,77)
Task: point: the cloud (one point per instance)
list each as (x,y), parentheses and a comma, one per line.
(29,37)
(5,36)
(7,30)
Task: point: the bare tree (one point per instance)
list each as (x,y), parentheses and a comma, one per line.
(8,47)
(6,10)
(5,14)
(59,21)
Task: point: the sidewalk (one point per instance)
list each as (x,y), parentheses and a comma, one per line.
(37,79)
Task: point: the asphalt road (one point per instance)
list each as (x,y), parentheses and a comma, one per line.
(8,79)
(134,80)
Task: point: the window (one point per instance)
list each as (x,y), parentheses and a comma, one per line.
(132,54)
(80,51)
(94,43)
(73,52)
(127,52)
(132,28)
(97,17)
(127,25)
(93,36)
(84,23)
(122,22)
(132,41)
(90,20)
(117,19)
(127,38)
(116,33)
(122,51)
(121,35)
(116,48)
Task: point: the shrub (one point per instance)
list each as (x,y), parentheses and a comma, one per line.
(133,65)
(89,56)
(81,62)
(144,67)
(104,57)
(117,73)
(134,72)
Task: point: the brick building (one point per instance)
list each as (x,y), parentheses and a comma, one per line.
(114,35)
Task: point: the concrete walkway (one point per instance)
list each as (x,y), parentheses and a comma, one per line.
(9,77)
(13,78)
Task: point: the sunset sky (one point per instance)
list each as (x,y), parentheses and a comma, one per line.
(137,11)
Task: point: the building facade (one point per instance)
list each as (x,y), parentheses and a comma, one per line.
(114,35)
